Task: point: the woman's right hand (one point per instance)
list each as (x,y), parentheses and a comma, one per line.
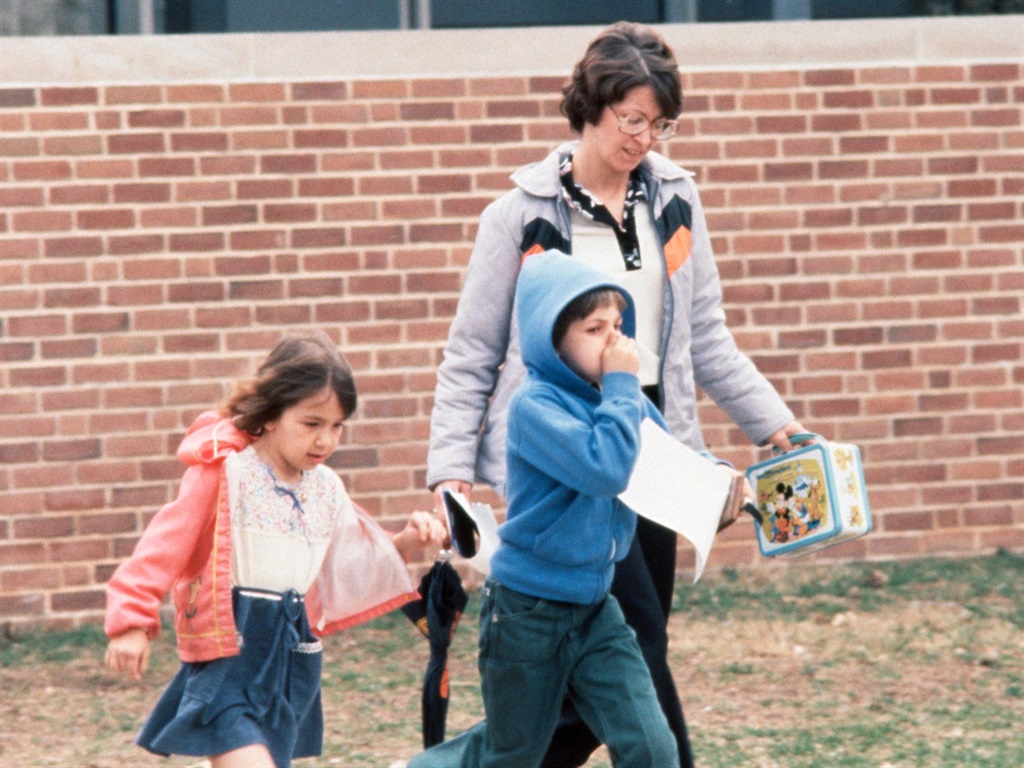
(459,486)
(129,653)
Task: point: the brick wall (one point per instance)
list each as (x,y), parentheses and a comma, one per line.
(159,234)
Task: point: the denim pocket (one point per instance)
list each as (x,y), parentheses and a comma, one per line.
(305,666)
(520,628)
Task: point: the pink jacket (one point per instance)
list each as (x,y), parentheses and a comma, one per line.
(187,547)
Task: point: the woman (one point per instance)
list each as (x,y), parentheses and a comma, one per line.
(610,200)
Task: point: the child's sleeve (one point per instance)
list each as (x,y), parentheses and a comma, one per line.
(137,589)
(593,458)
(362,577)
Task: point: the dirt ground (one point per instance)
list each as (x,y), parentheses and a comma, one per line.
(905,681)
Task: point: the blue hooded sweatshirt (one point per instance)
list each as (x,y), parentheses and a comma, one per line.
(570,449)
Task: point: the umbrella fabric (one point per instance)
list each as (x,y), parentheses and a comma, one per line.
(436,615)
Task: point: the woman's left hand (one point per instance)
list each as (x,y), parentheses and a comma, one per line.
(781,438)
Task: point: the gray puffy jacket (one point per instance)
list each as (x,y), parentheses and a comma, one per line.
(481,366)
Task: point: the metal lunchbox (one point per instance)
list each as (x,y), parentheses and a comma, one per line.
(810,497)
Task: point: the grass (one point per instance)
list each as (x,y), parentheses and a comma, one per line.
(880,665)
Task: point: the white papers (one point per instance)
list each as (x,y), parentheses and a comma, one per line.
(675,486)
(472,528)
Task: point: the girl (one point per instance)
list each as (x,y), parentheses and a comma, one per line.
(265,552)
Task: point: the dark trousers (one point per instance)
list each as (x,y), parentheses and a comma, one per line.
(643,585)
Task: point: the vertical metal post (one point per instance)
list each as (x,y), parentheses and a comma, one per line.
(423,14)
(680,11)
(791,9)
(146,20)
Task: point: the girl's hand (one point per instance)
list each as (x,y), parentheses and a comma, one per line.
(620,355)
(423,532)
(129,653)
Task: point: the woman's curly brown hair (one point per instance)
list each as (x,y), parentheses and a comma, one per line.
(298,367)
(623,57)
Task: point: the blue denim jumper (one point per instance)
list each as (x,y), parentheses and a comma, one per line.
(269,694)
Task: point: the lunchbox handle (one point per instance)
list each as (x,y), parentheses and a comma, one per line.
(800,438)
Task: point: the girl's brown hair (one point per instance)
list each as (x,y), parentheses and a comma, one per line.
(299,366)
(622,57)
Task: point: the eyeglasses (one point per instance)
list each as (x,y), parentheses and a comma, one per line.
(636,122)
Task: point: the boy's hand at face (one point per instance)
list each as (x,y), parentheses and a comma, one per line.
(129,653)
(620,355)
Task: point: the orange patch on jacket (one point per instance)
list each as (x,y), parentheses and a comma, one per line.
(537,248)
(677,250)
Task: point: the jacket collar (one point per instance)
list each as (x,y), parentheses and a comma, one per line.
(541,179)
(210,438)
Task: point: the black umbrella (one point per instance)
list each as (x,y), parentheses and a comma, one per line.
(436,614)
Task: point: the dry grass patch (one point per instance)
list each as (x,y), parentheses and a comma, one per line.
(894,665)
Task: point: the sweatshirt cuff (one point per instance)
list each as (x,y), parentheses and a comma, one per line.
(715,460)
(620,384)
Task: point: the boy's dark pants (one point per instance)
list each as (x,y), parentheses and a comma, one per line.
(643,585)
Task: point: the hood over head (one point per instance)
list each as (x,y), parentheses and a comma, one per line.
(548,282)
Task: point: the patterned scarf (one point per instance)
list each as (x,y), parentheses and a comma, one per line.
(588,205)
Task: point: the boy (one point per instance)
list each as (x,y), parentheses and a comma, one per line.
(548,624)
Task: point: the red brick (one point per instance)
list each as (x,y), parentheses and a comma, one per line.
(397,209)
(288,212)
(788,171)
(325,138)
(17,97)
(59,97)
(256,240)
(269,92)
(19,146)
(226,165)
(42,170)
(326,186)
(829,77)
(298,163)
(106,219)
(156,118)
(498,133)
(319,91)
(142,193)
(1002,234)
(436,110)
(103,169)
(399,159)
(135,143)
(198,141)
(226,215)
(319,237)
(41,221)
(265,188)
(437,88)
(79,600)
(132,94)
